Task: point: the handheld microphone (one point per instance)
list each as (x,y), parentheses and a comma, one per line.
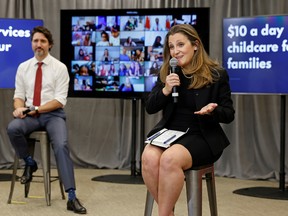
(32,108)
(173,64)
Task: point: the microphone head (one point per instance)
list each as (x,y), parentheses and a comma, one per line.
(173,62)
(32,108)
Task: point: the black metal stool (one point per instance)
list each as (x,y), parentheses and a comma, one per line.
(42,138)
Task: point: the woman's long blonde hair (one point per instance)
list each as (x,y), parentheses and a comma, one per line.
(204,69)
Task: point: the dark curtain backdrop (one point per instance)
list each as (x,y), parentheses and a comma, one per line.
(100,130)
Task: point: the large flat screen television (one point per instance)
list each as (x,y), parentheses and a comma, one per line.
(118,53)
(15,47)
(255,54)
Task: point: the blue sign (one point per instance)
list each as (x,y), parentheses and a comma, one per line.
(255,54)
(15,47)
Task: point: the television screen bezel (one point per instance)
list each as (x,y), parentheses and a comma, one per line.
(67,52)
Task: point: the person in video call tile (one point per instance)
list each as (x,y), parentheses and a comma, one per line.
(103,71)
(92,68)
(87,39)
(132,68)
(129,25)
(115,37)
(127,86)
(204,101)
(112,70)
(138,69)
(104,39)
(77,39)
(123,55)
(129,42)
(175,22)
(81,54)
(135,69)
(106,56)
(84,70)
(157,42)
(138,55)
(154,69)
(123,70)
(115,26)
(157,26)
(48,113)
(77,85)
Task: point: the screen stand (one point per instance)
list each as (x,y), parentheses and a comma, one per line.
(135,176)
(266,192)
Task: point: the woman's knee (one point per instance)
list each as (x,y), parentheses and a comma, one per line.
(168,162)
(150,157)
(175,158)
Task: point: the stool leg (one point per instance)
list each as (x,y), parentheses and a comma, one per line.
(194,192)
(211,189)
(45,155)
(13,179)
(148,204)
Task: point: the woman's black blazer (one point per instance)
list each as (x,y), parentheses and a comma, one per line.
(218,92)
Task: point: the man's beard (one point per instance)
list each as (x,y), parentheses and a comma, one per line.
(39,52)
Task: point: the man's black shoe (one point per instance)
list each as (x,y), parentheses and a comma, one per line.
(27,175)
(75,205)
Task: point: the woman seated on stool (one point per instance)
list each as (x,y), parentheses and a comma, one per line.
(203,103)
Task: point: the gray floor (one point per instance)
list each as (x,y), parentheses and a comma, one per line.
(102,198)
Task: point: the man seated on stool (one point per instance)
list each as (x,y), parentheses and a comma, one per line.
(42,108)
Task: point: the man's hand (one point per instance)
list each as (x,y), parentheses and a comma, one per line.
(18,113)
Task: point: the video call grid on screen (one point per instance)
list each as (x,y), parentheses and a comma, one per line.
(118,53)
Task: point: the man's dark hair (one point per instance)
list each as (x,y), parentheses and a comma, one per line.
(45,31)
